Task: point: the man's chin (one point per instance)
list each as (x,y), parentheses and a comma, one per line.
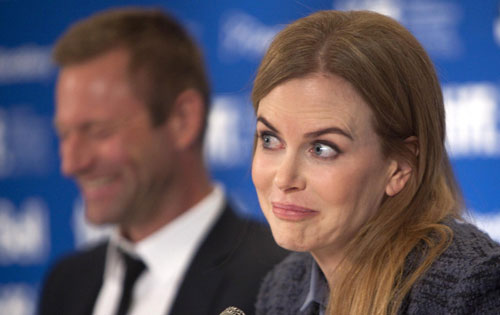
(100,216)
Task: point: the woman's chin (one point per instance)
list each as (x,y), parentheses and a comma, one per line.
(292,244)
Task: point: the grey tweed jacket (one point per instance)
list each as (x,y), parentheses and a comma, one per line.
(465,279)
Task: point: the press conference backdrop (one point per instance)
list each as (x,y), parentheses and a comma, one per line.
(41,213)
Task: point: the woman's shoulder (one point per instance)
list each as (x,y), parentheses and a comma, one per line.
(289,275)
(285,286)
(465,279)
(295,263)
(472,242)
(470,249)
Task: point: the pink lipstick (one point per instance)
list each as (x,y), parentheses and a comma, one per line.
(291,212)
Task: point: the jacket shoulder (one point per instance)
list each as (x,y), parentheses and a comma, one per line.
(80,261)
(284,287)
(258,242)
(72,278)
(228,266)
(465,279)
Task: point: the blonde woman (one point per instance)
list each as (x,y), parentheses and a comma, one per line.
(351,171)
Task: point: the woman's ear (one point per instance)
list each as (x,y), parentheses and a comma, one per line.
(401,170)
(186,118)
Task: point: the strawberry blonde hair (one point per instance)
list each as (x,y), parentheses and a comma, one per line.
(392,72)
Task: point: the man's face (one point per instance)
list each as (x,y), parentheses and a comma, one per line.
(122,164)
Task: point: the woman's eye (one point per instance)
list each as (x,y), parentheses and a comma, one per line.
(270,141)
(324,151)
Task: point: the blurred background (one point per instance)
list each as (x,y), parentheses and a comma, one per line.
(41,213)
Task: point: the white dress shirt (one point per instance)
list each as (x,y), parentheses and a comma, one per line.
(167,253)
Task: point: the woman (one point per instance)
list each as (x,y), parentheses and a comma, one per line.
(351,170)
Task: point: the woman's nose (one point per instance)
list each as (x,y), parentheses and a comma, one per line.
(288,176)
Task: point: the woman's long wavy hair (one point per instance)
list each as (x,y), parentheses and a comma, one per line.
(395,76)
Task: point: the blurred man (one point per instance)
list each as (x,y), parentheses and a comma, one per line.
(131,110)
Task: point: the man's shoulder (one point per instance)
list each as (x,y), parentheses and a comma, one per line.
(228,267)
(253,239)
(72,281)
(86,256)
(78,263)
(251,250)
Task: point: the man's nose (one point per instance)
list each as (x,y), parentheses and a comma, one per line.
(76,155)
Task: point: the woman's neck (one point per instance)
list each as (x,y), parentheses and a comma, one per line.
(328,260)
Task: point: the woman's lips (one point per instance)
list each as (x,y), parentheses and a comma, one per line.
(291,212)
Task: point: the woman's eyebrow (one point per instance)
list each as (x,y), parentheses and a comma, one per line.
(267,123)
(335,130)
(312,134)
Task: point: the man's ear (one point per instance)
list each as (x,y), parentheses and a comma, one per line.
(401,170)
(185,122)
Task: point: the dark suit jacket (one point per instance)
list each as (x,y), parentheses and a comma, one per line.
(226,271)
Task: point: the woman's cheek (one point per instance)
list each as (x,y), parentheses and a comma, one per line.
(261,171)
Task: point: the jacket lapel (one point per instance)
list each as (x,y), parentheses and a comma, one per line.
(91,273)
(205,274)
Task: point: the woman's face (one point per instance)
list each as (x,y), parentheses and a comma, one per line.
(318,167)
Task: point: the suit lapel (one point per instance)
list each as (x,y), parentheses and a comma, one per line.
(205,273)
(85,291)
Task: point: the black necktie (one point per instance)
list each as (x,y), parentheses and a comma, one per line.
(133,269)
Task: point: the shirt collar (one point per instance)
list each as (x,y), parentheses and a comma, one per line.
(318,289)
(175,243)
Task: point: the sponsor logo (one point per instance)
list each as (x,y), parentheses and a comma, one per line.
(25,64)
(242,36)
(435,23)
(26,142)
(17,299)
(229,137)
(24,234)
(472,119)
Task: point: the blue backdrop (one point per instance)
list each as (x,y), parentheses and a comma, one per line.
(41,212)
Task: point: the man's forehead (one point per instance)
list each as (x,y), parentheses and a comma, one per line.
(94,90)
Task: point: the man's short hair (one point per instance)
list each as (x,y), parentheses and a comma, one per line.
(164,59)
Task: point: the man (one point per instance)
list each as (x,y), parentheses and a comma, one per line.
(131,108)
